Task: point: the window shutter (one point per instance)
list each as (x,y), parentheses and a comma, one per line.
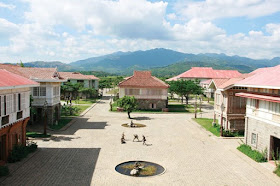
(27,99)
(15,103)
(22,100)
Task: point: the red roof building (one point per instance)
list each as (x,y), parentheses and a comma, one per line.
(9,80)
(262,110)
(203,73)
(77,75)
(143,79)
(14,111)
(48,93)
(150,92)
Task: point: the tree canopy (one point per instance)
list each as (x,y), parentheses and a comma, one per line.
(184,88)
(128,103)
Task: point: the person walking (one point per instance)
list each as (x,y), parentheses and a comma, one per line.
(135,137)
(144,140)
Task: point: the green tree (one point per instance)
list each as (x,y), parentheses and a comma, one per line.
(128,104)
(89,92)
(185,88)
(21,64)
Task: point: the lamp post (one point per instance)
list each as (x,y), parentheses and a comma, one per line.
(195,107)
(45,106)
(222,110)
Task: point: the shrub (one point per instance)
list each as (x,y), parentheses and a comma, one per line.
(254,154)
(4,171)
(277,170)
(32,146)
(19,152)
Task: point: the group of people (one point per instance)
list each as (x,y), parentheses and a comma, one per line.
(136,137)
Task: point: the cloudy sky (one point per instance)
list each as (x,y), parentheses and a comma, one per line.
(69,30)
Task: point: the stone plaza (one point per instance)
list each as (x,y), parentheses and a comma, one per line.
(87,152)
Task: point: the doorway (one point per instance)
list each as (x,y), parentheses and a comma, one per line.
(275,147)
(3,148)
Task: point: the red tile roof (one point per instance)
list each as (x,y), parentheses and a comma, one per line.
(207,73)
(263,78)
(8,80)
(143,79)
(92,77)
(76,75)
(33,73)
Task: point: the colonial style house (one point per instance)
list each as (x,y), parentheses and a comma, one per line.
(88,81)
(46,97)
(204,74)
(150,92)
(262,121)
(228,108)
(14,110)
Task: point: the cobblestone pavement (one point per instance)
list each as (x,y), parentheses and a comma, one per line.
(88,151)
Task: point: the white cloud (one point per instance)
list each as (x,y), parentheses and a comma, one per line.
(7,28)
(8,6)
(124,18)
(213,9)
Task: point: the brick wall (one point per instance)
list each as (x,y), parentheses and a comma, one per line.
(263,130)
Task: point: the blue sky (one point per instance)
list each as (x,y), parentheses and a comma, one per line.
(69,30)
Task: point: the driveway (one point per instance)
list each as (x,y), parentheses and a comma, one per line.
(88,151)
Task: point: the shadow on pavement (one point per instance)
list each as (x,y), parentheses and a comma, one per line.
(142,118)
(56,166)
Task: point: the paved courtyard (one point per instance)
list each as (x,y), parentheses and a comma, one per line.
(88,151)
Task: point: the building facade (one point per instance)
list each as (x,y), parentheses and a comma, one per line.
(46,97)
(14,111)
(150,92)
(229,109)
(262,121)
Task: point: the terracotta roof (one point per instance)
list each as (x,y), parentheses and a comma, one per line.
(35,74)
(11,80)
(219,82)
(259,97)
(92,77)
(263,78)
(143,79)
(207,73)
(76,75)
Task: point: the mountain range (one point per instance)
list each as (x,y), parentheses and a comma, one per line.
(162,62)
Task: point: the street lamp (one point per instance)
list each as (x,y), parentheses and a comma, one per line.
(45,106)
(222,110)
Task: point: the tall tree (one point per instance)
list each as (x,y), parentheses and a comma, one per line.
(128,103)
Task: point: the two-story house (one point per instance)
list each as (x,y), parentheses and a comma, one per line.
(204,74)
(46,97)
(150,92)
(88,81)
(228,108)
(14,110)
(262,121)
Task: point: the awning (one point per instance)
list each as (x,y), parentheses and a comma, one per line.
(259,97)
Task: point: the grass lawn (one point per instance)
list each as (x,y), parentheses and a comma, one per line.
(61,123)
(37,135)
(113,91)
(85,101)
(207,124)
(76,110)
